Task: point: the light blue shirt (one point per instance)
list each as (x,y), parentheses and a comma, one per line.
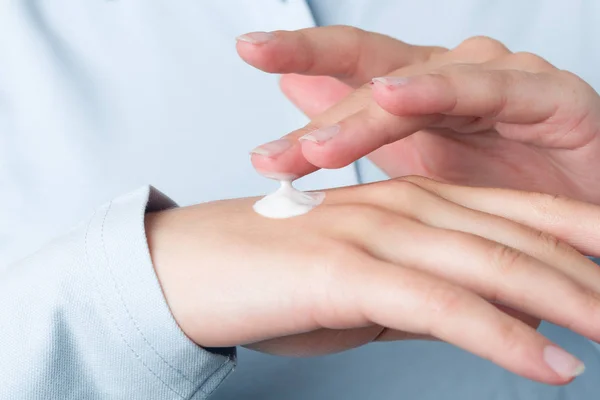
(98,98)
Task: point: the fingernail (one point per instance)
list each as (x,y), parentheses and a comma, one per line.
(272,149)
(391,81)
(563,363)
(256,37)
(278,176)
(322,135)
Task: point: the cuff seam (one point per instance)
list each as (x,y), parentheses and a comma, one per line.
(122,301)
(110,314)
(128,294)
(226,363)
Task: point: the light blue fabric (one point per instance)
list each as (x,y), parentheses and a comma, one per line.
(422,370)
(98,97)
(93,324)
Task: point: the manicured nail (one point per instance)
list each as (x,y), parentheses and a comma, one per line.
(272,149)
(391,81)
(563,363)
(322,135)
(256,37)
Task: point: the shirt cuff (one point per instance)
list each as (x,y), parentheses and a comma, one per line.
(119,260)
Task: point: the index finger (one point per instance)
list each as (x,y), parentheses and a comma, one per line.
(347,131)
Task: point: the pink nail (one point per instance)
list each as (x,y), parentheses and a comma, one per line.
(563,363)
(391,81)
(322,135)
(272,149)
(256,37)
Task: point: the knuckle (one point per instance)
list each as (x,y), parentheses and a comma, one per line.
(550,243)
(408,194)
(548,207)
(383,189)
(505,259)
(406,187)
(443,300)
(591,304)
(363,217)
(484,44)
(351,65)
(530,60)
(395,188)
(352,31)
(511,337)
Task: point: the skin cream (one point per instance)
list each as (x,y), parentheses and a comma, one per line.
(288,202)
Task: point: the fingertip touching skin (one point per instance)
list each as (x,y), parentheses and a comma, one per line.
(347,58)
(494,118)
(316,94)
(292,159)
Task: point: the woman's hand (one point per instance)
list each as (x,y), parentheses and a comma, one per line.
(483,115)
(387,261)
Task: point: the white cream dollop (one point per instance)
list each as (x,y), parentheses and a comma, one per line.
(288,202)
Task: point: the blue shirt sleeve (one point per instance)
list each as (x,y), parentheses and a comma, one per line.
(85,318)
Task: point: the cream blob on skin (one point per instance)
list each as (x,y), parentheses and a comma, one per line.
(287,201)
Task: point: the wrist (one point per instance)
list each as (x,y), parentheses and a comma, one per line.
(162,245)
(184,254)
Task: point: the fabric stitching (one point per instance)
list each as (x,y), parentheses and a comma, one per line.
(209,392)
(225,364)
(135,324)
(112,319)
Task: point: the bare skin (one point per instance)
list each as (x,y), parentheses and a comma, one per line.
(478,114)
(388,261)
